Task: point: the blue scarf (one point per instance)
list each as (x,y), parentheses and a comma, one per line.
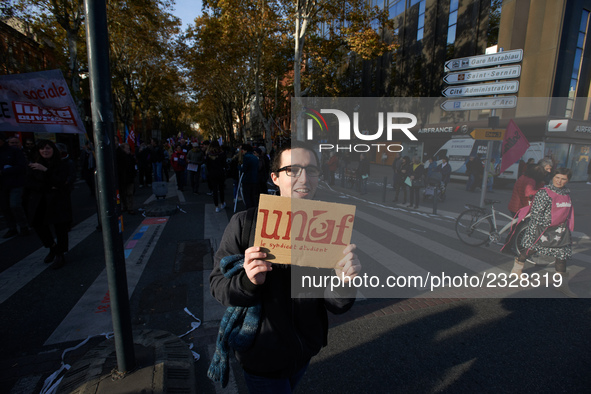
(237,328)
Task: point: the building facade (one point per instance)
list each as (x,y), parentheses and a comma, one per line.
(20,51)
(555,64)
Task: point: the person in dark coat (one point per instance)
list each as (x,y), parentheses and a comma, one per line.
(13,167)
(474,170)
(126,172)
(250,179)
(88,166)
(402,171)
(363,173)
(49,204)
(144,163)
(291,330)
(264,166)
(215,162)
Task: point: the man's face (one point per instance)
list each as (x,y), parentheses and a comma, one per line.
(14,142)
(302,186)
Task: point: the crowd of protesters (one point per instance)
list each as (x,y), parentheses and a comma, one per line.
(35,174)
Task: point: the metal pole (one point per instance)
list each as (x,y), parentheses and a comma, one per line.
(103,127)
(489,148)
(385,187)
(435,198)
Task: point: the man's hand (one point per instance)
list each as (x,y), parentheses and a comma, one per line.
(255,267)
(349,266)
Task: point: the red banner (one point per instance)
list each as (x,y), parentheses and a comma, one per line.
(514,146)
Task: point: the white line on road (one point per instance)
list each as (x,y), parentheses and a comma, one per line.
(92,315)
(21,273)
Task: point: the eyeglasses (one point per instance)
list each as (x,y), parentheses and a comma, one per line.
(295,171)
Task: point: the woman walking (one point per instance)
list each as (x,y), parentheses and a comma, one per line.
(178,161)
(402,172)
(549,230)
(215,162)
(49,203)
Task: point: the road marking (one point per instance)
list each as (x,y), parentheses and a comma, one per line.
(92,313)
(426,243)
(21,273)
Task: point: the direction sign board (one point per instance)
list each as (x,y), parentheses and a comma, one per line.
(479,103)
(488,134)
(493,59)
(487,74)
(482,89)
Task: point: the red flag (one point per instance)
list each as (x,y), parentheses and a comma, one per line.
(514,146)
(131,140)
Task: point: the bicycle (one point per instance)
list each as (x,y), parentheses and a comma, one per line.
(476,226)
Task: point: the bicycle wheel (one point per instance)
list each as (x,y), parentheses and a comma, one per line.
(534,258)
(473,227)
(518,238)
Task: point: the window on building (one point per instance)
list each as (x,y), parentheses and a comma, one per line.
(494,20)
(574,78)
(397,7)
(452,22)
(421,24)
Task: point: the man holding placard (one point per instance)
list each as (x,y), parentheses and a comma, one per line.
(288,331)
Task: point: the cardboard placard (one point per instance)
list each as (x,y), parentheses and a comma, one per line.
(303,232)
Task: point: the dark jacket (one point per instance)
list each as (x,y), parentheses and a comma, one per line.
(291,330)
(126,171)
(215,162)
(13,167)
(418,173)
(445,172)
(363,168)
(48,195)
(474,167)
(250,167)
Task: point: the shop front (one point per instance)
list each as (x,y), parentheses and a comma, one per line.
(568,144)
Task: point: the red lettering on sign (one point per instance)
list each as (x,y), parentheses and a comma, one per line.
(315,229)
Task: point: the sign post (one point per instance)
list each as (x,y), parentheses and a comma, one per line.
(475,73)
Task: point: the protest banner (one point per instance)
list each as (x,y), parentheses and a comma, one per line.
(38,102)
(303,232)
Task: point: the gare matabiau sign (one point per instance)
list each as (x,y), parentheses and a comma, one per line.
(479,61)
(303,232)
